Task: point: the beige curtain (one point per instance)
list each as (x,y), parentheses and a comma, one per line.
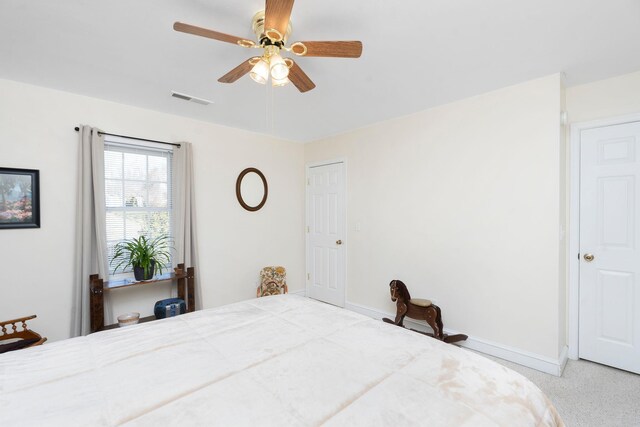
(186,244)
(91,242)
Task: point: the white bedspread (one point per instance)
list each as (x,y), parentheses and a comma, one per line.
(274,361)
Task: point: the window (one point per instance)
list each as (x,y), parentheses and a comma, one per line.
(137,193)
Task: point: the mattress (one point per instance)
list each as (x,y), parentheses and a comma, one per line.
(274,361)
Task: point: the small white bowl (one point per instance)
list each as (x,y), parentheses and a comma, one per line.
(128,319)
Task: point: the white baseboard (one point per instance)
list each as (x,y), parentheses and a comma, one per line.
(301,292)
(521,357)
(562,360)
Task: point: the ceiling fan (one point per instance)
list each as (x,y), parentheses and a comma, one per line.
(272,28)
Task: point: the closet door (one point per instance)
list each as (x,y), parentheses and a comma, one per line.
(610,246)
(326,245)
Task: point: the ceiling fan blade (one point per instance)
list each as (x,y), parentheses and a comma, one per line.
(300,79)
(338,49)
(276,16)
(237,72)
(203,32)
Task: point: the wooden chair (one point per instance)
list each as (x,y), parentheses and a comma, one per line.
(18,339)
(419,309)
(273,281)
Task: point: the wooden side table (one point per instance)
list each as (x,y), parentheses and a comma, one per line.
(97,288)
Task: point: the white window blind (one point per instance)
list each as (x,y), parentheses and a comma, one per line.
(138,194)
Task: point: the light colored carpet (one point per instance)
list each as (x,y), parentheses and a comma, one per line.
(589,394)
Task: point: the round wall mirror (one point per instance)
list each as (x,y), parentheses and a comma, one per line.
(251,189)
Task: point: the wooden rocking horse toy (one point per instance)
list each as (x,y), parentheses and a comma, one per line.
(419,309)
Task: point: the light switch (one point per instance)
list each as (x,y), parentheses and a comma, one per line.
(358,226)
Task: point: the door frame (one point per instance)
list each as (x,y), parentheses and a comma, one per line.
(307,167)
(573,314)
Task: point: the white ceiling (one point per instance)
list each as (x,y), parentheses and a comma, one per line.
(417,54)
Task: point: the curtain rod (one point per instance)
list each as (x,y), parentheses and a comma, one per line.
(133,137)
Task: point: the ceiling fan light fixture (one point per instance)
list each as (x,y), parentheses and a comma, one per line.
(246,43)
(282,82)
(279,68)
(274,35)
(299,48)
(260,72)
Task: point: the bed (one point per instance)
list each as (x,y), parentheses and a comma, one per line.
(274,361)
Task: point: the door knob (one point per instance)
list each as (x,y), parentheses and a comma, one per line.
(338,242)
(588,257)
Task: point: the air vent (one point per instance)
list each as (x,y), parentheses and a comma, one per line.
(190,98)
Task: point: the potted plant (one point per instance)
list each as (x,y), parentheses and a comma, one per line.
(143,254)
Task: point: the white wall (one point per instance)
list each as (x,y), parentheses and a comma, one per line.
(612,97)
(462,203)
(36,132)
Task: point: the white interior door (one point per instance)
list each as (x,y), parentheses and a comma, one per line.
(326,240)
(609,246)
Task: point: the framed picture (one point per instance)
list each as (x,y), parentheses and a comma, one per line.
(19,198)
